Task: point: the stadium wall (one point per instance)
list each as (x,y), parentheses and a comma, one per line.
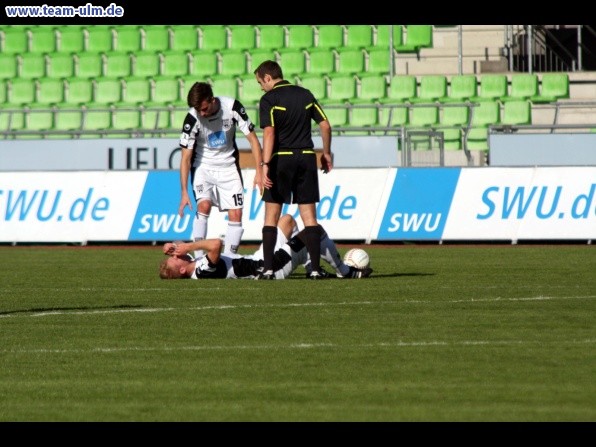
(375,204)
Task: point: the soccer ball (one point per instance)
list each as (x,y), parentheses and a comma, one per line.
(357,258)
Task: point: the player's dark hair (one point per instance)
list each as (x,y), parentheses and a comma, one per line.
(271,68)
(199,92)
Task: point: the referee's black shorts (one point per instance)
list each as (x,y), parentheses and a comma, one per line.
(295,177)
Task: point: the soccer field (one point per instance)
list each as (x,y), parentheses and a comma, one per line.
(438,333)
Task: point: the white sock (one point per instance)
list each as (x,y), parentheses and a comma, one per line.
(199,231)
(233,237)
(330,254)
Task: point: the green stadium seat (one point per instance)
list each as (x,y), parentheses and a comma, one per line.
(156,119)
(293,63)
(100,39)
(320,62)
(32,66)
(51,91)
(22,92)
(379,61)
(424,117)
(416,38)
(364,116)
(359,36)
(402,88)
(517,112)
(432,88)
(146,63)
(79,92)
(300,37)
(492,86)
(128,39)
(3,93)
(128,120)
(256,57)
(337,116)
(175,63)
(165,91)
(68,120)
(394,116)
(523,86)
(372,89)
(458,118)
(553,86)
(137,91)
(316,84)
(242,38)
(271,37)
(213,38)
(8,66)
(251,92)
(12,120)
(384,35)
(89,65)
(16,40)
(330,37)
(107,91)
(232,64)
(185,38)
(39,119)
(225,87)
(155,38)
(117,64)
(342,89)
(462,88)
(71,40)
(43,40)
(204,64)
(60,65)
(96,118)
(484,114)
(351,62)
(177,117)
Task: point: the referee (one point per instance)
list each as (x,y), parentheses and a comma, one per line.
(290,172)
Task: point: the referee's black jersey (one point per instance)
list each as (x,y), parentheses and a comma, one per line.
(289,109)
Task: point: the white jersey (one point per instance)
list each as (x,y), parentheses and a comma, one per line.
(213,138)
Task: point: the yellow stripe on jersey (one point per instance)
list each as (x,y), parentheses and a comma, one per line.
(273,109)
(321,112)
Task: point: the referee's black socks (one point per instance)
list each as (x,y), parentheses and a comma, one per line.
(312,236)
(269,240)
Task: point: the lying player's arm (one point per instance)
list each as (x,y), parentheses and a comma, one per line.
(178,248)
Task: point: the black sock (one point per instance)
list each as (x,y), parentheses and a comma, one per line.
(312,236)
(269,240)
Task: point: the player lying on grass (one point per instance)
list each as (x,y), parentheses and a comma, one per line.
(290,253)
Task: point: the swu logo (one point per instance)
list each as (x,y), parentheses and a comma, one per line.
(413,222)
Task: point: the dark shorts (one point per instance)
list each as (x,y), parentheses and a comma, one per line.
(295,177)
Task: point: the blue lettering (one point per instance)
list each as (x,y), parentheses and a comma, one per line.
(517,197)
(163,223)
(488,202)
(19,204)
(54,206)
(586,200)
(539,213)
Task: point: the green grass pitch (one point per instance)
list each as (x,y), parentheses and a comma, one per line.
(438,333)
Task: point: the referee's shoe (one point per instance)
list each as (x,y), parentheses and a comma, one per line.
(261,274)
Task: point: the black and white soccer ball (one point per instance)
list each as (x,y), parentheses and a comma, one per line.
(357,258)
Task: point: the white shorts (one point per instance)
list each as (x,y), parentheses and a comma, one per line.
(223,188)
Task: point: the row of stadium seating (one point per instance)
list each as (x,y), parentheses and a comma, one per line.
(168,90)
(128,38)
(451,119)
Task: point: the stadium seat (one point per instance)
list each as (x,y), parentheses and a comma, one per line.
(337,116)
(384,35)
(96,118)
(117,64)
(251,92)
(342,89)
(492,86)
(51,91)
(213,37)
(300,37)
(204,64)
(242,38)
(364,116)
(484,114)
(232,64)
(402,88)
(293,63)
(432,88)
(156,38)
(359,36)
(372,89)
(517,113)
(60,65)
(165,91)
(458,118)
(553,86)
(107,91)
(225,87)
(175,63)
(12,120)
(127,39)
(320,62)
(43,40)
(22,92)
(157,119)
(177,117)
(32,66)
(146,64)
(39,119)
(256,57)
(379,61)
(99,39)
(316,84)
(398,116)
(330,37)
(185,38)
(523,86)
(16,40)
(137,91)
(271,37)
(462,88)
(423,116)
(89,65)
(416,38)
(8,66)
(79,91)
(128,120)
(351,62)
(71,40)
(68,120)
(3,93)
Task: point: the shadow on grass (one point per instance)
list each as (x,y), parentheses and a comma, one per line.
(373,276)
(55,309)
